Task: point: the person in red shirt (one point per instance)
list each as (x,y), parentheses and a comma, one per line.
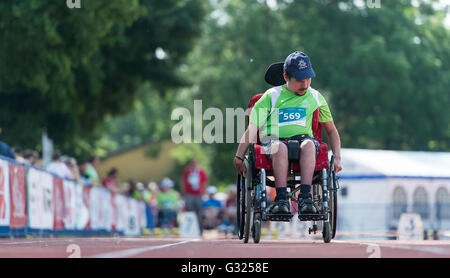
(193,185)
(111,181)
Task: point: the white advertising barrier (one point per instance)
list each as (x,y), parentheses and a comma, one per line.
(142,215)
(188,224)
(106,210)
(132,228)
(122,212)
(81,212)
(94,208)
(410,227)
(4,194)
(69,204)
(40,199)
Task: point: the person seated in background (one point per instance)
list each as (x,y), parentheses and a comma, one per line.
(212,210)
(58,167)
(111,182)
(168,203)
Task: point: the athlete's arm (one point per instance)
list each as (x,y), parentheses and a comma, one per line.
(335,143)
(250,136)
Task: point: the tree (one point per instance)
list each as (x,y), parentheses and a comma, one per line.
(65,69)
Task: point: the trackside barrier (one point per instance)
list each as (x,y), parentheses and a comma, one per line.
(35,202)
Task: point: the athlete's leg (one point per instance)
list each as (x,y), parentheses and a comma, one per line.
(279,156)
(307,163)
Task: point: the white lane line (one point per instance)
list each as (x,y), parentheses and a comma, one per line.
(136,251)
(426,249)
(21,242)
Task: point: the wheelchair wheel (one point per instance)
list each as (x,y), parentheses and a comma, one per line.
(333,212)
(333,187)
(240,210)
(248,212)
(326,232)
(256,230)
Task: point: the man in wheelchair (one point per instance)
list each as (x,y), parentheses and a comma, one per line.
(284,114)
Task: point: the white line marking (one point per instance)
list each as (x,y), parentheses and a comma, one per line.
(136,251)
(426,249)
(21,242)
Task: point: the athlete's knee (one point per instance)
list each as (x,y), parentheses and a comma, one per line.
(279,150)
(308,146)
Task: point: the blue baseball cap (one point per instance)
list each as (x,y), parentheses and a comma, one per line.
(299,65)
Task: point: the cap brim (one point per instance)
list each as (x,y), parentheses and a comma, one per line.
(274,74)
(302,75)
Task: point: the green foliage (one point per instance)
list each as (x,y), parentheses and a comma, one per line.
(66,69)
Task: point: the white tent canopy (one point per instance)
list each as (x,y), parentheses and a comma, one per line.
(363,162)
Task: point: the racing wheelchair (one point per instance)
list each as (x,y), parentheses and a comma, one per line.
(252,196)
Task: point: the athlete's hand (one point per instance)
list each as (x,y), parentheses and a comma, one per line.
(240,167)
(337,165)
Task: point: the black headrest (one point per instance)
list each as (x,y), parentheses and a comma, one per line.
(274,74)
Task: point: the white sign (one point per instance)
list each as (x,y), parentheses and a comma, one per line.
(95,208)
(132,228)
(40,199)
(188,224)
(410,227)
(4,194)
(106,210)
(69,204)
(122,212)
(81,212)
(142,215)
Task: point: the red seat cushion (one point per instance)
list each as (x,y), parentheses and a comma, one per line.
(261,161)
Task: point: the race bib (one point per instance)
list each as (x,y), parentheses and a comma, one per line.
(292,116)
(194,180)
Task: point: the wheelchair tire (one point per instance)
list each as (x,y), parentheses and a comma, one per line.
(256,231)
(333,212)
(240,210)
(326,232)
(248,188)
(248,203)
(332,187)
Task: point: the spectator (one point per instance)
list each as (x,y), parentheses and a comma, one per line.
(133,191)
(19,155)
(5,150)
(168,203)
(84,178)
(193,184)
(31,156)
(58,167)
(71,163)
(212,210)
(150,198)
(111,181)
(230,219)
(91,172)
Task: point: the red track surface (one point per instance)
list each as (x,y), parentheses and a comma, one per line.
(123,247)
